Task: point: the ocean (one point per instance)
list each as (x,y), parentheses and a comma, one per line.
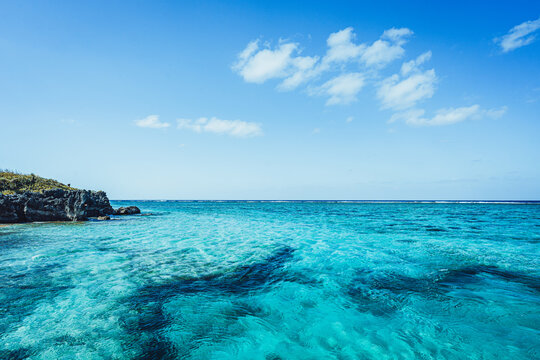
(276,280)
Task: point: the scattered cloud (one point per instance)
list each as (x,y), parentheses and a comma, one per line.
(413,65)
(396,93)
(520,35)
(348,66)
(412,85)
(236,128)
(449,116)
(316,131)
(402,92)
(397,35)
(341,47)
(151,121)
(387,49)
(442,117)
(343,88)
(258,64)
(496,113)
(303,69)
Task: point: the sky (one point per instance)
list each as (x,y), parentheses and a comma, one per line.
(274,100)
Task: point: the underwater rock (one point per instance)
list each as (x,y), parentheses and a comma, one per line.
(54,205)
(129,210)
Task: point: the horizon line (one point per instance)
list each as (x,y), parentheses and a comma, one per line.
(338,201)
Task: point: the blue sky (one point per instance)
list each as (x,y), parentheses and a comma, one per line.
(274,100)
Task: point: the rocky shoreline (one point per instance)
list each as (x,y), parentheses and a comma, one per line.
(58,205)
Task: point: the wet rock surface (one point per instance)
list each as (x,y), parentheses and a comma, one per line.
(128,210)
(54,205)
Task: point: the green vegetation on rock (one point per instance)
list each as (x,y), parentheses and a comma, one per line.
(14,183)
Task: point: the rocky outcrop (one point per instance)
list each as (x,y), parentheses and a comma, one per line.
(54,205)
(129,210)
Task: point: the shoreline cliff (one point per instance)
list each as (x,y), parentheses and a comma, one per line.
(54,205)
(29,198)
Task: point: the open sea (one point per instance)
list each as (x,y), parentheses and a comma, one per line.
(276,280)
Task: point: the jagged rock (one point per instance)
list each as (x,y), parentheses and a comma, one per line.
(106,217)
(129,210)
(54,205)
(9,209)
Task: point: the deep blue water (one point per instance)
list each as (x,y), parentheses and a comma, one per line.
(206,280)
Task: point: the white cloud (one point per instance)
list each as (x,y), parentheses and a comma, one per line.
(303,69)
(496,113)
(245,55)
(449,116)
(341,47)
(397,35)
(151,121)
(381,52)
(413,65)
(442,117)
(257,65)
(343,88)
(414,85)
(519,35)
(387,48)
(236,128)
(341,83)
(401,94)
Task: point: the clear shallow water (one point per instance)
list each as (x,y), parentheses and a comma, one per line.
(276,281)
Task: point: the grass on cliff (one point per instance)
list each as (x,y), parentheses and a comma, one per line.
(13,183)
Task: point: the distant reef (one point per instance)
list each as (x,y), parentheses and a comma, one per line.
(28,198)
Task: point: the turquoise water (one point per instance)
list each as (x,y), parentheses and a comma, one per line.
(276,281)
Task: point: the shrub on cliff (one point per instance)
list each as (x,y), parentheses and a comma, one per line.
(14,183)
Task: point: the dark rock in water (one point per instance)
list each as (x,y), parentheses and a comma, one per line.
(129,210)
(148,301)
(54,205)
(106,217)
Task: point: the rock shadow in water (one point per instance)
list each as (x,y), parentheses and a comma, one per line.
(158,349)
(382,294)
(19,354)
(23,289)
(471,274)
(242,279)
(150,299)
